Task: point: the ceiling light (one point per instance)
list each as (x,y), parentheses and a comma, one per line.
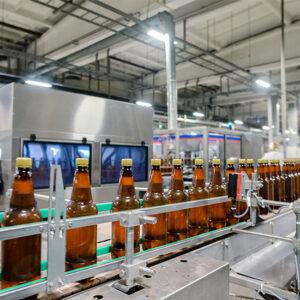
(265,127)
(238,122)
(142,103)
(38,83)
(263,83)
(157,35)
(198,114)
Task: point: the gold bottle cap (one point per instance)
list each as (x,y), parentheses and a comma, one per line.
(230,161)
(82,162)
(273,161)
(216,161)
(260,161)
(198,161)
(250,161)
(266,161)
(176,162)
(155,162)
(126,162)
(286,161)
(24,162)
(242,161)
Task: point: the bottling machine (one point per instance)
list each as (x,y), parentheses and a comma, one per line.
(261,255)
(56,127)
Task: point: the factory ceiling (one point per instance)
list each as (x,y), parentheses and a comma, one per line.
(101,47)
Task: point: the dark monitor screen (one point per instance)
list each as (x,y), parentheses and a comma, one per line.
(45,154)
(111,162)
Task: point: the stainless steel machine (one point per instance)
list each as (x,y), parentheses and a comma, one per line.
(207,143)
(55,127)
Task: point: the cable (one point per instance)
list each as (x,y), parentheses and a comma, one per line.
(246,211)
(279,210)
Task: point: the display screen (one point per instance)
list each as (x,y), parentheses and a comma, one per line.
(111,162)
(45,154)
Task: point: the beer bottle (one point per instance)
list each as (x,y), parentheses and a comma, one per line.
(264,190)
(288,181)
(81,243)
(125,200)
(230,219)
(271,179)
(21,257)
(242,206)
(250,167)
(295,174)
(217,212)
(277,186)
(291,174)
(155,235)
(177,220)
(282,179)
(298,172)
(198,216)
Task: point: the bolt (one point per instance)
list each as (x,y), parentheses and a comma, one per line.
(42,228)
(50,285)
(70,225)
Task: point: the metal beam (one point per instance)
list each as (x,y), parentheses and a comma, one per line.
(274,6)
(17,28)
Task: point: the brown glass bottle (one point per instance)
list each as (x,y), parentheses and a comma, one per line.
(217,212)
(155,235)
(242,206)
(21,257)
(264,190)
(298,172)
(277,182)
(198,217)
(289,197)
(177,220)
(282,179)
(125,200)
(230,219)
(81,243)
(295,174)
(269,175)
(250,167)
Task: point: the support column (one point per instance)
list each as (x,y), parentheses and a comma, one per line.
(273,118)
(270,120)
(292,128)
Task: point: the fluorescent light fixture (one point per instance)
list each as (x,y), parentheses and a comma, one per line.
(142,103)
(265,127)
(263,83)
(198,114)
(38,83)
(187,120)
(157,35)
(255,129)
(238,122)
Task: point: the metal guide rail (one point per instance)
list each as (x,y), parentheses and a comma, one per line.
(131,266)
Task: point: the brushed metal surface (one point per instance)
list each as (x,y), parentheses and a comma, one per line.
(189,276)
(60,116)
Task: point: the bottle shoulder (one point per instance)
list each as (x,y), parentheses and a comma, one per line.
(78,209)
(125,203)
(16,216)
(177,196)
(154,199)
(198,191)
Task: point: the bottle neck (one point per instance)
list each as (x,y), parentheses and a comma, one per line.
(216,178)
(242,168)
(126,183)
(155,184)
(81,191)
(177,178)
(22,194)
(198,179)
(230,170)
(260,170)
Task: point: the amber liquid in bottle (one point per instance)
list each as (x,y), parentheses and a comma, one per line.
(270,177)
(230,219)
(125,200)
(282,180)
(295,173)
(217,212)
(298,172)
(198,217)
(178,220)
(250,170)
(288,183)
(264,190)
(155,235)
(242,206)
(21,257)
(81,243)
(293,185)
(277,185)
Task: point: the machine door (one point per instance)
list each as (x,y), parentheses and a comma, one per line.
(233,148)
(216,149)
